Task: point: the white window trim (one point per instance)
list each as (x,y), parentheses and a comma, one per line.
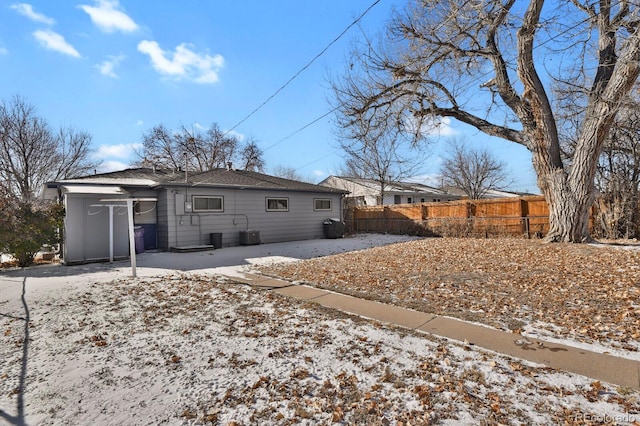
(266,204)
(193,201)
(315,208)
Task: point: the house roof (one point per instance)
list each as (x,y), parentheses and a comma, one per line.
(154,178)
(491,193)
(95,189)
(390,187)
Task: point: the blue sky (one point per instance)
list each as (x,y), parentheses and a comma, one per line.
(117,68)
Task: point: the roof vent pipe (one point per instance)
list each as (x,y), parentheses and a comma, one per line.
(229,164)
(186,173)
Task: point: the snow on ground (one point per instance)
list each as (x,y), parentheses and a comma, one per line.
(91,345)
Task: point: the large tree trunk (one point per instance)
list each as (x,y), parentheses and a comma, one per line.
(569,209)
(571,195)
(408,81)
(570,190)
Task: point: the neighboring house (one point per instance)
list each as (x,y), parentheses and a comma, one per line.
(366,192)
(181,210)
(491,193)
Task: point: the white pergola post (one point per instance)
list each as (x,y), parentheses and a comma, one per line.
(111,233)
(132,237)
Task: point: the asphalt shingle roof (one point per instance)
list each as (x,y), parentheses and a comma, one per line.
(212,178)
(394,186)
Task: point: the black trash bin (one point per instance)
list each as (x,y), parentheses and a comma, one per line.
(216,239)
(333,228)
(138,232)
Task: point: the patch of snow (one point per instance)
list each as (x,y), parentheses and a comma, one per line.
(540,330)
(185,346)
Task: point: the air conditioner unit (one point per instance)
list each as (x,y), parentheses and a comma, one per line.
(249,238)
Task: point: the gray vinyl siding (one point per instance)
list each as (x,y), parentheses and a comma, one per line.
(146,212)
(86,230)
(163,220)
(169,222)
(243,210)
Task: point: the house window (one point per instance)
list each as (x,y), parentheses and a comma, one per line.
(208,204)
(277,204)
(322,204)
(409,200)
(397,199)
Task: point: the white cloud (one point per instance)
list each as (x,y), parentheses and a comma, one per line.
(112,166)
(183,63)
(444,128)
(122,150)
(25,9)
(107,66)
(140,123)
(4,51)
(108,16)
(54,41)
(235,134)
(319,173)
(435,126)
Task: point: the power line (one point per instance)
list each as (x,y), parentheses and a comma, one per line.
(304,67)
(468,84)
(300,129)
(318,159)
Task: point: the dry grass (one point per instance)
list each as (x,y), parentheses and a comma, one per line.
(583,292)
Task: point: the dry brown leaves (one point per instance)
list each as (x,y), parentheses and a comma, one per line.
(583,292)
(232,355)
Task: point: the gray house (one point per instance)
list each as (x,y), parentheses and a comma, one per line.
(366,192)
(178,210)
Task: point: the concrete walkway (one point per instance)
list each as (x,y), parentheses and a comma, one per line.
(607,368)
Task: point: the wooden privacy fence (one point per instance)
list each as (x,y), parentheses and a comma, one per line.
(523,216)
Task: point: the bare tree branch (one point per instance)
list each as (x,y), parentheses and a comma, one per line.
(478,62)
(196,150)
(32,154)
(474,171)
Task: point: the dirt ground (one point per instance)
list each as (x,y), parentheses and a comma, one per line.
(585,293)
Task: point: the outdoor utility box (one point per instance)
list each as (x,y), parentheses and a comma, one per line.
(333,228)
(215,238)
(249,238)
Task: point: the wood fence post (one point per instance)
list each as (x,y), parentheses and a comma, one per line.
(524,212)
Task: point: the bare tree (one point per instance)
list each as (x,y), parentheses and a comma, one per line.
(618,176)
(251,156)
(374,149)
(160,149)
(477,62)
(223,147)
(287,173)
(196,150)
(72,153)
(32,154)
(474,171)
